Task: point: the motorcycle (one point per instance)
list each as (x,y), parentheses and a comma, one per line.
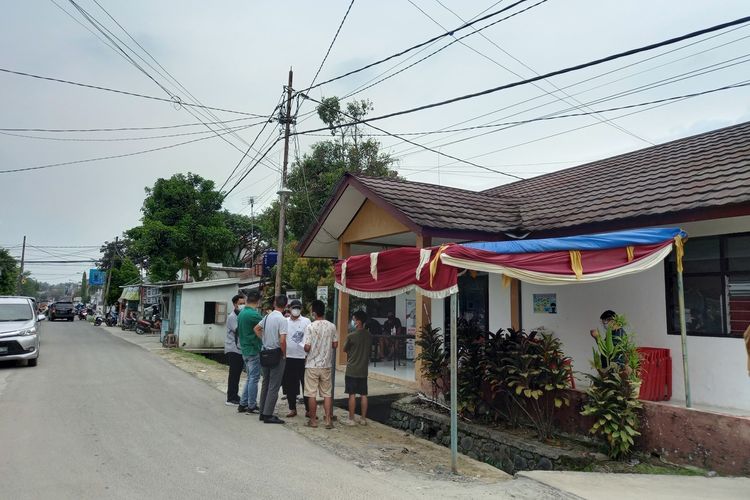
(129,323)
(148,326)
(98,320)
(111,319)
(83,314)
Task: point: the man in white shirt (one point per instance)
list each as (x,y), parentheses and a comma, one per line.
(294,371)
(321,338)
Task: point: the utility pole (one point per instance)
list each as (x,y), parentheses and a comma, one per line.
(109,275)
(283,192)
(251,200)
(20,274)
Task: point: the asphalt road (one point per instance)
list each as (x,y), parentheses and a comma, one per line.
(102,418)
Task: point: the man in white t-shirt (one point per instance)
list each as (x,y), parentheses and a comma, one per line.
(321,338)
(294,371)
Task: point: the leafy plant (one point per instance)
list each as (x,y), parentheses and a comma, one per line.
(470,373)
(529,372)
(613,395)
(434,367)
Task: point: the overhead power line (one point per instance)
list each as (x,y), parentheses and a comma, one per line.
(569,69)
(341,24)
(119,129)
(112,157)
(419,45)
(177,101)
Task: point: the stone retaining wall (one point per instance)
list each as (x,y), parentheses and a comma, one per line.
(504,450)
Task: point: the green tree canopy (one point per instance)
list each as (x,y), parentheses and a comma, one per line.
(123,273)
(183,225)
(8,273)
(316,173)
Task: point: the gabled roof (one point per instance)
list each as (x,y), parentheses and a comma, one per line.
(698,172)
(699,177)
(445,208)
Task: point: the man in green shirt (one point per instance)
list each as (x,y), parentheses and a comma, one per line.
(357,348)
(250,346)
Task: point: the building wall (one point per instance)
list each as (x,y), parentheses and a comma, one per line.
(717,366)
(193,333)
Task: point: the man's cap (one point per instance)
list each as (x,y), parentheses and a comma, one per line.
(295,303)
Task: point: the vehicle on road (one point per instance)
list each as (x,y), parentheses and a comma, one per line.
(62,309)
(19,330)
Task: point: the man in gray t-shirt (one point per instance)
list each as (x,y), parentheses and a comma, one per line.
(272,331)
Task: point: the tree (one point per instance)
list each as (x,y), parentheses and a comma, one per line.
(124,273)
(314,175)
(8,273)
(251,237)
(29,286)
(84,289)
(183,225)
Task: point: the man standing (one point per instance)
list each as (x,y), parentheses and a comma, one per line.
(321,338)
(272,331)
(294,371)
(357,347)
(250,346)
(391,327)
(233,353)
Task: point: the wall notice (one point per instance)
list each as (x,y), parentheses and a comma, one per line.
(545,303)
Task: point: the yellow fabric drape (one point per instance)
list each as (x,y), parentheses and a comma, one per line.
(507,280)
(576,264)
(435,261)
(630,250)
(680,251)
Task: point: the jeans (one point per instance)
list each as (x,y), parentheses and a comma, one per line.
(250,393)
(236,363)
(269,392)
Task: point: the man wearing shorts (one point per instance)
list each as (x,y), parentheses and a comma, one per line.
(321,338)
(357,347)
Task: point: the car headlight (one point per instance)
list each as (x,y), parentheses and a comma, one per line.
(27,331)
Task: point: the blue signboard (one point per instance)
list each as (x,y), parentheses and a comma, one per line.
(96,277)
(269,260)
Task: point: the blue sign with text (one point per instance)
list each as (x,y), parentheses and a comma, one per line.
(96,277)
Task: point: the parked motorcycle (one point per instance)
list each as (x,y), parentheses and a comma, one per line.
(111,319)
(129,323)
(148,326)
(83,314)
(99,320)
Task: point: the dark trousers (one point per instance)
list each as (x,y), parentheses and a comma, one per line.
(236,364)
(294,377)
(269,390)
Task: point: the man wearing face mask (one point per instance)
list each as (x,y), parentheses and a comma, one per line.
(233,352)
(294,371)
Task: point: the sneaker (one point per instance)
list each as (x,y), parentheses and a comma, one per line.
(232,403)
(241,409)
(349,422)
(251,411)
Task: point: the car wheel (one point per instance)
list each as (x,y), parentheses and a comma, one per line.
(33,362)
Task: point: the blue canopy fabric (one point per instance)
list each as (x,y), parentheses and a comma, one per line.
(601,241)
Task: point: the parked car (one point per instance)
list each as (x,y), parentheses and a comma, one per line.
(62,309)
(19,330)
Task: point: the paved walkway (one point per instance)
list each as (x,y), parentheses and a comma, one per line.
(594,485)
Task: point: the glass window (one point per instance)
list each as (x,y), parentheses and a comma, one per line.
(716,280)
(738,253)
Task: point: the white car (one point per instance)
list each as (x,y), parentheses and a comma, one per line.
(19,330)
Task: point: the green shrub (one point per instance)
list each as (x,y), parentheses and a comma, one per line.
(613,395)
(434,359)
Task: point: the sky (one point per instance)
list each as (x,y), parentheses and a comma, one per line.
(236,55)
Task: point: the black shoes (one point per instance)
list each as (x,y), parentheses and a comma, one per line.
(242,409)
(272,419)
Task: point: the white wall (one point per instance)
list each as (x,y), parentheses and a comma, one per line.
(499,303)
(193,333)
(717,366)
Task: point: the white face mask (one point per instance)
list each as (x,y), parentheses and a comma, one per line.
(296,313)
(241,307)
(352,325)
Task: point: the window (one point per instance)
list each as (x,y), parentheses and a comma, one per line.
(473,301)
(214,312)
(716,278)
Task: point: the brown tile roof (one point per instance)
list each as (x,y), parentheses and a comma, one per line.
(445,208)
(700,172)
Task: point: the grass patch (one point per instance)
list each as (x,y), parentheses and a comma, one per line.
(195,357)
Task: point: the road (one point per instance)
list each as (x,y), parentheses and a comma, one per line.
(102,418)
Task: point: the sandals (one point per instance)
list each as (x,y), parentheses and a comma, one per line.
(310,424)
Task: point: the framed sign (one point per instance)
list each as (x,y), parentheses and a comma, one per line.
(545,303)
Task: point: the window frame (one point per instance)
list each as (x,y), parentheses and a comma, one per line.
(670,278)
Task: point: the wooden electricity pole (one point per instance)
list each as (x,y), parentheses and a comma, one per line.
(283,192)
(20,274)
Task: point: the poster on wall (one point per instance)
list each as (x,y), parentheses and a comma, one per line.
(545,303)
(411,317)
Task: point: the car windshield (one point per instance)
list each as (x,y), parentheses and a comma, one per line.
(15,312)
